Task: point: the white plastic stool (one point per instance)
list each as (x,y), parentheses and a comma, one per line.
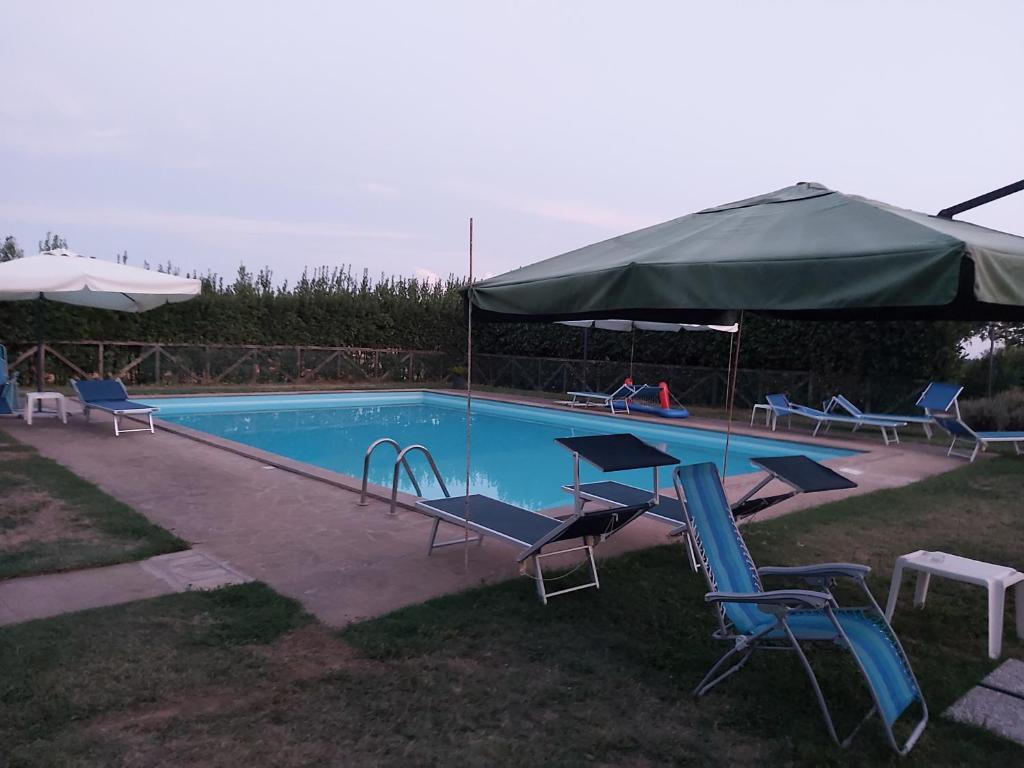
(995,578)
(31,398)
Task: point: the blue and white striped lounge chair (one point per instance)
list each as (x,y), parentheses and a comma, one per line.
(779,405)
(616,401)
(110,396)
(937,398)
(960,431)
(752,618)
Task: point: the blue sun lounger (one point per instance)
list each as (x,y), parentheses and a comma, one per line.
(110,396)
(779,405)
(937,398)
(8,385)
(752,618)
(955,426)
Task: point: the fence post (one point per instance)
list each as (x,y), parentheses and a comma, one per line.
(99,359)
(156,365)
(206,364)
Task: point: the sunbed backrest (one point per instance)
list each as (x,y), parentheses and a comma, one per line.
(778,401)
(939,397)
(726,560)
(955,427)
(94,390)
(841,399)
(602,522)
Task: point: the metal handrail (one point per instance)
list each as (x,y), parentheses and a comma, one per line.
(401,460)
(366,467)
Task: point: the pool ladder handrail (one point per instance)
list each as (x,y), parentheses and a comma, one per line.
(400,461)
(366,467)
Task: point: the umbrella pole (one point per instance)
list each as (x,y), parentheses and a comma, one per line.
(731,380)
(469,398)
(40,348)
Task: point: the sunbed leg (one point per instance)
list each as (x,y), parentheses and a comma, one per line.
(117,426)
(433,536)
(712,678)
(151,430)
(593,567)
(816,428)
(978,447)
(1018,449)
(540,580)
(927,429)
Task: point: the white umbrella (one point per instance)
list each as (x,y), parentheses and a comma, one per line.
(64,276)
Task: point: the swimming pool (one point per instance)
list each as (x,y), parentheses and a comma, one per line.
(515,457)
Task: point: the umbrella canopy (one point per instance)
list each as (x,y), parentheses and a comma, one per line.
(802,251)
(646,325)
(65,276)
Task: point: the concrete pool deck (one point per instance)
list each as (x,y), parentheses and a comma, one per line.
(311,540)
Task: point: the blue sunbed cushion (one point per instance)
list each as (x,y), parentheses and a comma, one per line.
(120,405)
(1000,435)
(92,390)
(778,401)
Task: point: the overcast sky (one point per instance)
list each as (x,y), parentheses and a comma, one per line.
(309,133)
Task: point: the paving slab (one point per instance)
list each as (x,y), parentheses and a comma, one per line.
(39,597)
(311,540)
(996,704)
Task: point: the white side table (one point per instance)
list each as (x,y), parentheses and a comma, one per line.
(31,398)
(761,407)
(995,578)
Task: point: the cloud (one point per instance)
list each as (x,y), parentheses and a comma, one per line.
(180,222)
(377,189)
(426,276)
(570,211)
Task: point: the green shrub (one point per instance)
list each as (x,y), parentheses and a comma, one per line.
(1004,411)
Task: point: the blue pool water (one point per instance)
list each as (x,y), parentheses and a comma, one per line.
(515,457)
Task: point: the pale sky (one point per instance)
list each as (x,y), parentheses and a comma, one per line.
(309,133)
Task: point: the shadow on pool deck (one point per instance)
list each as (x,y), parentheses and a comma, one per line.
(312,541)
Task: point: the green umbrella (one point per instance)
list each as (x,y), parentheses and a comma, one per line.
(802,251)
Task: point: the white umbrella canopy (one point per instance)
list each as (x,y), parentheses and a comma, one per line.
(67,277)
(70,278)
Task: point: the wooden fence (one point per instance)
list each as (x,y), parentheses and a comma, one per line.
(183,365)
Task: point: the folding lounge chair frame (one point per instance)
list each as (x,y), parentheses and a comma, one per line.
(108,404)
(602,399)
(780,406)
(936,399)
(960,431)
(780,613)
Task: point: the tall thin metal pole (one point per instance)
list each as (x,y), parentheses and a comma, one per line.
(469,395)
(731,385)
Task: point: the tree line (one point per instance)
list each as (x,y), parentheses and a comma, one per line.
(337,306)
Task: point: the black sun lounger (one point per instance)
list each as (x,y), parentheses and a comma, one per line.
(800,473)
(531,530)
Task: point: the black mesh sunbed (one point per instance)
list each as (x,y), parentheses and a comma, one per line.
(534,531)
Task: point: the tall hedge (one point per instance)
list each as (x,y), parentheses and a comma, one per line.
(336,308)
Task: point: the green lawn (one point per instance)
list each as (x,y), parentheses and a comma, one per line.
(52,520)
(491,677)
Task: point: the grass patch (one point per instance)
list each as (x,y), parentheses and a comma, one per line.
(53,520)
(490,677)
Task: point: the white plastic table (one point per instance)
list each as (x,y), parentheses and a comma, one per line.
(995,578)
(761,407)
(31,398)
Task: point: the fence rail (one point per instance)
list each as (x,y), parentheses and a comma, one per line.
(148,363)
